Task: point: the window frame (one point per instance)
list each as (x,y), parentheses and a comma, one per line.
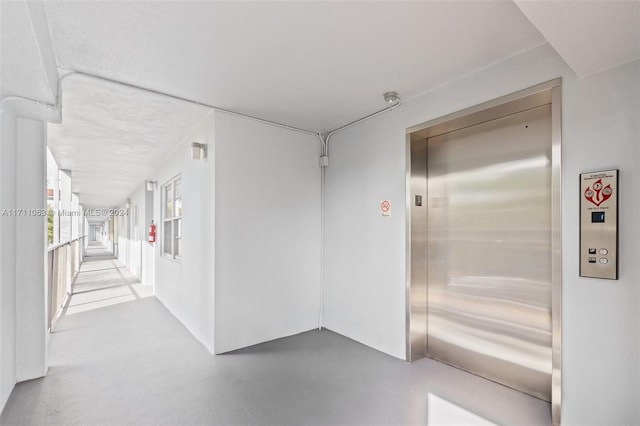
(172,223)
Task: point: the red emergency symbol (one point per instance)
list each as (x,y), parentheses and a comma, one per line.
(598,194)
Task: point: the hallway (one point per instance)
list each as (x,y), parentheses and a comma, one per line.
(103,281)
(118,357)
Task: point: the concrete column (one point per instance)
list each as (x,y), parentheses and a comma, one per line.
(23,293)
(7,252)
(56,205)
(31,251)
(65,205)
(75,220)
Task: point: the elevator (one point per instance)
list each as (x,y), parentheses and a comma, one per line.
(483,241)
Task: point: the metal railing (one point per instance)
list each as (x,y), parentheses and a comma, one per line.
(63,264)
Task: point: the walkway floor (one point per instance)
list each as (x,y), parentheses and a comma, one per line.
(120,358)
(103,281)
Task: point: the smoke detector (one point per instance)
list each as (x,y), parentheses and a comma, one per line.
(391,97)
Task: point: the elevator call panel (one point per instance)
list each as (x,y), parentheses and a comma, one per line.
(599,224)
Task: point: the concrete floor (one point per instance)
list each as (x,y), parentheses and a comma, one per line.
(118,357)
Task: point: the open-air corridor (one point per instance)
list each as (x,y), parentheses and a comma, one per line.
(118,357)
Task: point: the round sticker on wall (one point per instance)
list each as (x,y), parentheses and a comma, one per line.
(385,208)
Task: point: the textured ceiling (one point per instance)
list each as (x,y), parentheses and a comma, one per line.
(22,69)
(112,138)
(315,65)
(591,36)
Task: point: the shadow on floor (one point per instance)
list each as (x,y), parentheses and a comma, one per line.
(119,357)
(103,281)
(135,364)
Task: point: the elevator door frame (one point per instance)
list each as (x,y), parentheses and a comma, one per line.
(416,184)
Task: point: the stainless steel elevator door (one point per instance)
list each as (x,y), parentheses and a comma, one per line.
(489,250)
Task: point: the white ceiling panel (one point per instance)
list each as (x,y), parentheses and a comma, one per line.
(315,65)
(112,137)
(591,36)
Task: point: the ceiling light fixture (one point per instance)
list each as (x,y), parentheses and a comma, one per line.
(198,151)
(391,97)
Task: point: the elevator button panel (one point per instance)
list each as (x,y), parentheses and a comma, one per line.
(599,224)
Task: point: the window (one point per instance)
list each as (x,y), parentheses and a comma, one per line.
(172,218)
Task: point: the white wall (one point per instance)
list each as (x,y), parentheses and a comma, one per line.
(267,223)
(132,242)
(106,243)
(186,286)
(601,318)
(123,237)
(251,226)
(134,251)
(365,253)
(146,212)
(138,242)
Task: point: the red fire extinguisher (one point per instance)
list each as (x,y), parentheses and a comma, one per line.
(152,232)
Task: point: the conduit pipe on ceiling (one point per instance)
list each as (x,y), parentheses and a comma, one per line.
(58,103)
(325,139)
(157,92)
(324,162)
